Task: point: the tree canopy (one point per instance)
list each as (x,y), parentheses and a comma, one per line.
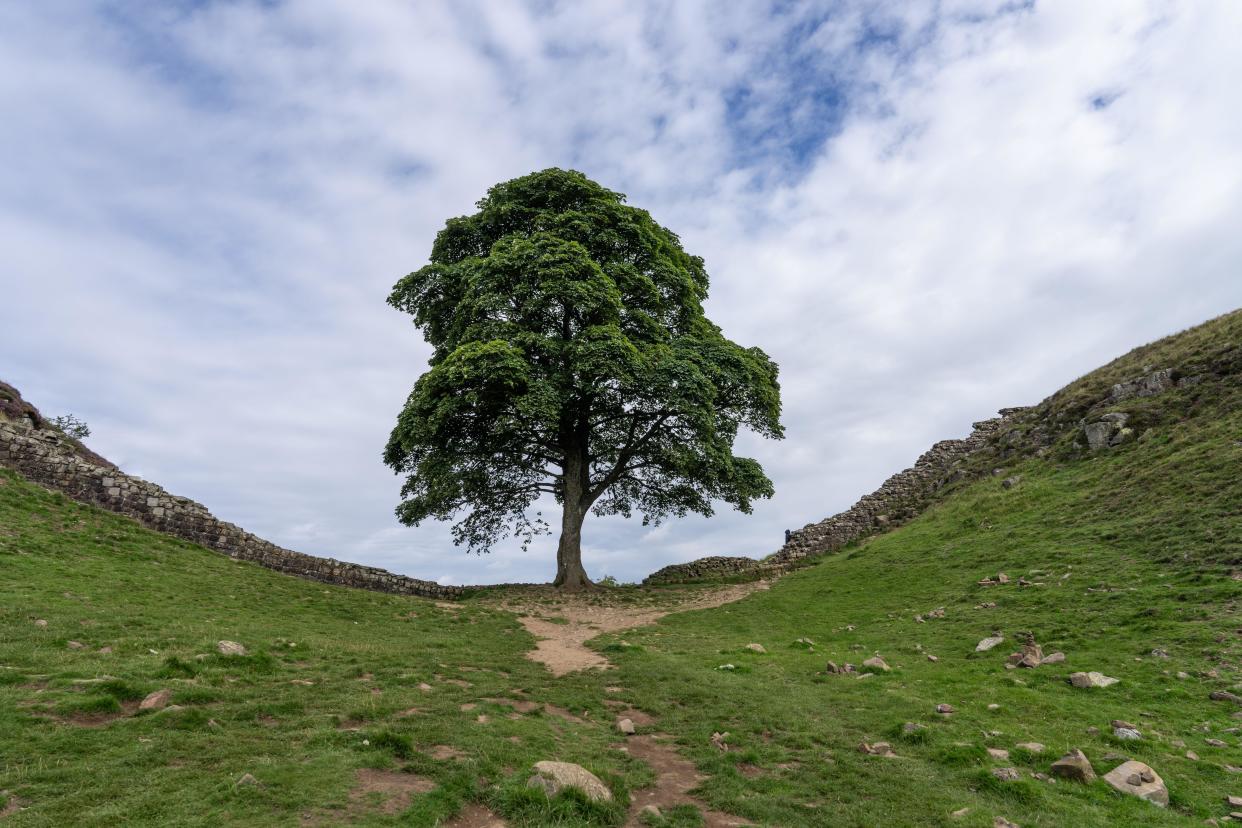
(571,357)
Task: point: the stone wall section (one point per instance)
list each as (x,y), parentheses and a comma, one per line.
(902,497)
(46,457)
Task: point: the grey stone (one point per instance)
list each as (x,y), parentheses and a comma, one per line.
(1137,779)
(553,777)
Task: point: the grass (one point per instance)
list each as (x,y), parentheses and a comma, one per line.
(1131,551)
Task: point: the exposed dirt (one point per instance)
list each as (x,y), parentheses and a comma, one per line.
(11,807)
(393,789)
(476,816)
(562,623)
(676,776)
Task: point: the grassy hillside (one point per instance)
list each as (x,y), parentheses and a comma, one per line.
(359,708)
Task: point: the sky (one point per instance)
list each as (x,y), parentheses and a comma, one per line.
(923,211)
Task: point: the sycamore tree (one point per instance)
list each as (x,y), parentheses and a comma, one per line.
(571,357)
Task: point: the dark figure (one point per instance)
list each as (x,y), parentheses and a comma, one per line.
(788,534)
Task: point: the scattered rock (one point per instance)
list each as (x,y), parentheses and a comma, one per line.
(1074,766)
(1225,695)
(718,741)
(912,727)
(1125,730)
(1192,756)
(876,663)
(626,726)
(876,749)
(989,642)
(75,645)
(932,658)
(246,780)
(999,753)
(105,651)
(41,623)
(1001,822)
(230,648)
(1006,774)
(993,706)
(1234,801)
(651,811)
(756,648)
(1091,679)
(553,777)
(945,709)
(805,642)
(1010,482)
(156,701)
(1033,747)
(1159,653)
(1215,742)
(1053,658)
(834,669)
(1138,779)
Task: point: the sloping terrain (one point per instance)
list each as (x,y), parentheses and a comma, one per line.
(360,708)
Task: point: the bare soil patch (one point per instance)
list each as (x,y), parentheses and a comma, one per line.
(476,816)
(676,776)
(562,623)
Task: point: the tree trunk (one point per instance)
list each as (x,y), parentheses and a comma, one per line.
(570,575)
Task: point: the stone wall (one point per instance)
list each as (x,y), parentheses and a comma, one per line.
(44,456)
(902,497)
(712,568)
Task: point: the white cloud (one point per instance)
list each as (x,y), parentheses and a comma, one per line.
(918,211)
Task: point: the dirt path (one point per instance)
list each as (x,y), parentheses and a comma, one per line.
(563,623)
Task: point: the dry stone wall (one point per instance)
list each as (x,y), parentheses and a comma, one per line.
(46,457)
(901,497)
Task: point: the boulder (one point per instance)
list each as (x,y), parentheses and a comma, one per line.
(756,648)
(1006,774)
(626,726)
(230,648)
(156,701)
(945,709)
(1074,766)
(1137,779)
(877,663)
(1053,658)
(1125,730)
(989,642)
(1225,695)
(553,777)
(1091,679)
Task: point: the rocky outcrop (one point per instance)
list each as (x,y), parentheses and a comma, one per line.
(45,456)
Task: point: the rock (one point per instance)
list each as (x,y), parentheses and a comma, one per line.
(1192,756)
(1074,766)
(993,706)
(1006,774)
(75,645)
(718,740)
(876,749)
(1224,695)
(945,709)
(841,670)
(1098,434)
(1002,578)
(932,658)
(910,728)
(626,726)
(960,812)
(1010,482)
(1159,653)
(246,780)
(756,648)
(41,623)
(651,811)
(155,701)
(1033,747)
(1091,679)
(1053,658)
(989,642)
(553,777)
(876,663)
(230,648)
(1001,822)
(1125,730)
(999,753)
(1234,801)
(1139,780)
(726,667)
(1215,742)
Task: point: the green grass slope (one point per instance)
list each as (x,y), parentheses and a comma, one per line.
(1130,550)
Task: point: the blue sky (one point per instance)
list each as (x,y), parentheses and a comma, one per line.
(922,211)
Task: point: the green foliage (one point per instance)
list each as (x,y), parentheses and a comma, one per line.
(71,426)
(571,357)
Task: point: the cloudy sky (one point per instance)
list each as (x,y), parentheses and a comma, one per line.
(922,211)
